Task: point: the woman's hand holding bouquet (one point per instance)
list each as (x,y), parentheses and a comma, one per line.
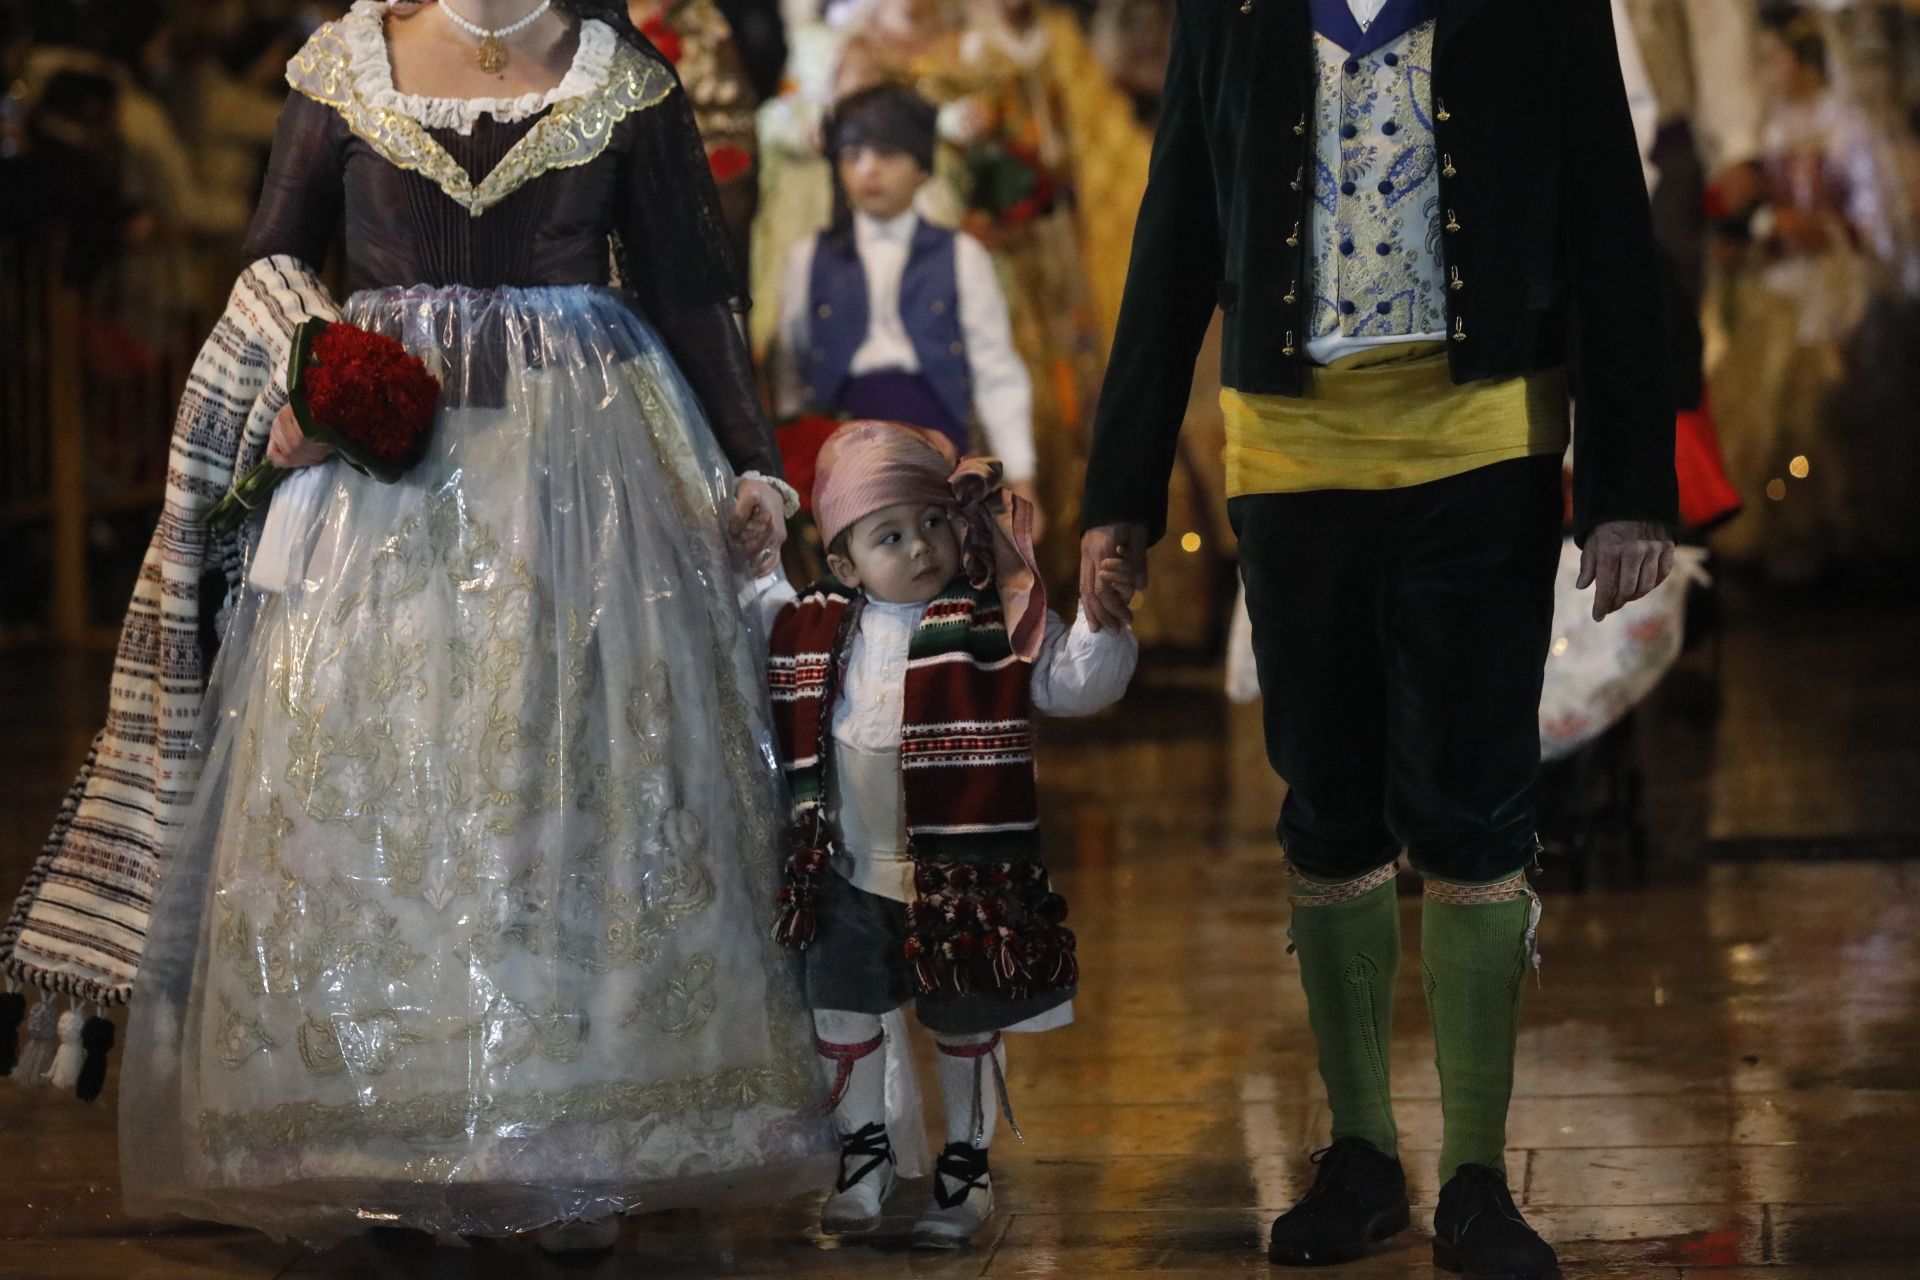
(349,392)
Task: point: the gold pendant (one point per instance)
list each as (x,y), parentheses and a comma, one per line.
(493,54)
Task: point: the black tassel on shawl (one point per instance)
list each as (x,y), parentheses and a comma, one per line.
(97,1038)
(13,1011)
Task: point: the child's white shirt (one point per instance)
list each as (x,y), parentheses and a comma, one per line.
(1002,389)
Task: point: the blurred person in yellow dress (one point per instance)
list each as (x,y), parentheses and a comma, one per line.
(1797,284)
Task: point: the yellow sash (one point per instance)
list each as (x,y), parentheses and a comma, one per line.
(1387,418)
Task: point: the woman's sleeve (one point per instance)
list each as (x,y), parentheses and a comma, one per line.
(677,262)
(305,190)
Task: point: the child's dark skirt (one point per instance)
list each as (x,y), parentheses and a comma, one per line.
(857,963)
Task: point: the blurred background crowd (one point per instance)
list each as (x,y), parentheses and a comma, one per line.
(1782,145)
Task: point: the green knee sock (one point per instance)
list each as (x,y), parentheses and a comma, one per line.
(1349,953)
(1476,962)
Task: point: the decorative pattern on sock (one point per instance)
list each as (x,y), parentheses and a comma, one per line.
(1347,936)
(1320,893)
(1476,941)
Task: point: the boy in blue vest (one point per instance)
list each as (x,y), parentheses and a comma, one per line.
(886,316)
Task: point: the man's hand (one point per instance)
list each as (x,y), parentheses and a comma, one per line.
(1113,569)
(1622,561)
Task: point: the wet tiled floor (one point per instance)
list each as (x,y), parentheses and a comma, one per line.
(1719,1074)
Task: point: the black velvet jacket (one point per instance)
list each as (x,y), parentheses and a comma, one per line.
(1547,246)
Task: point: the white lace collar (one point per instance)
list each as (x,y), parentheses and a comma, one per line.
(364,32)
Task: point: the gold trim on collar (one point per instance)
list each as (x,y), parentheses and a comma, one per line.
(574,132)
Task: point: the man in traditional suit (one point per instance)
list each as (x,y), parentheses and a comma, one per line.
(1426,223)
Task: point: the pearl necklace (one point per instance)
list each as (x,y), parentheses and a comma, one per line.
(493,50)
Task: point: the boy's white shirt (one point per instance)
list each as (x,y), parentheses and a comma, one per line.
(1002,389)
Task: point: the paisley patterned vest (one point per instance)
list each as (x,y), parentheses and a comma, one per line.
(1376,179)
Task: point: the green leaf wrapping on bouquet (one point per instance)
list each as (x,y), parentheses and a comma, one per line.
(1001,179)
(249,493)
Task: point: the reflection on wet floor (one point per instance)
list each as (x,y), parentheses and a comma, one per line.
(1720,1072)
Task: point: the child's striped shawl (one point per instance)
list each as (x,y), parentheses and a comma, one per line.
(985,920)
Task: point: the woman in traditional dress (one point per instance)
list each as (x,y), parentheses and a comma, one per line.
(465,926)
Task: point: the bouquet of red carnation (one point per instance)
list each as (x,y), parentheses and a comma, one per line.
(362,393)
(1010,183)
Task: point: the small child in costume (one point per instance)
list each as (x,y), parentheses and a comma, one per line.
(886,316)
(902,690)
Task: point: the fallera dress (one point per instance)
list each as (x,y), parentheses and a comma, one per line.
(468,927)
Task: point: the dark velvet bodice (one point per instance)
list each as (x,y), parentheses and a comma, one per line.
(402,229)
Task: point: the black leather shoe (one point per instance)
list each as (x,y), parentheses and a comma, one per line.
(1359,1198)
(1479,1233)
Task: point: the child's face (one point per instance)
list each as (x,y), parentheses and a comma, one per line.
(880,181)
(903,554)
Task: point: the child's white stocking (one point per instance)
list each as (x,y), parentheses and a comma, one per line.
(974,1083)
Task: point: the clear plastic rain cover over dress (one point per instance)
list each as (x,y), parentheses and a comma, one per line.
(469,928)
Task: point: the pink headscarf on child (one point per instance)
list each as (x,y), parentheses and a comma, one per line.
(867,466)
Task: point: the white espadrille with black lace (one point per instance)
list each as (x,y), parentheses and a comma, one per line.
(866,1179)
(962,1199)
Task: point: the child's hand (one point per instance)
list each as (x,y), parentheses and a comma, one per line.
(1116,580)
(757,524)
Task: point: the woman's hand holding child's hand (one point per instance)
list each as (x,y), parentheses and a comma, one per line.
(758,524)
